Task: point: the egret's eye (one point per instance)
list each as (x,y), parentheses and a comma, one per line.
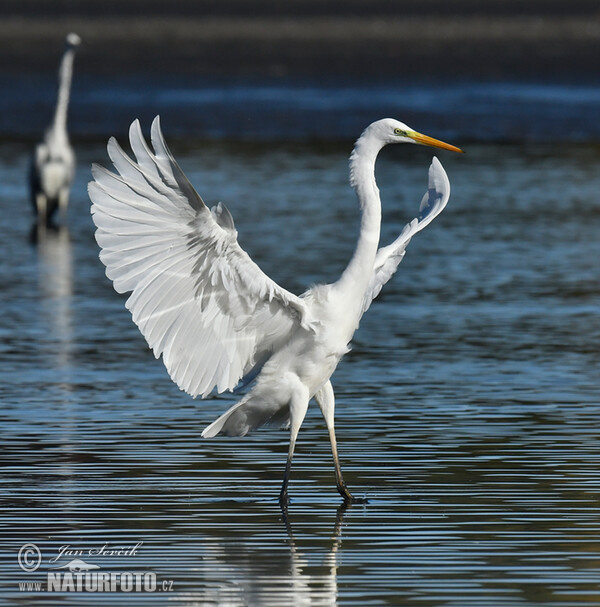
(400,132)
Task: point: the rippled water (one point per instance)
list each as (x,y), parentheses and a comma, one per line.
(467,411)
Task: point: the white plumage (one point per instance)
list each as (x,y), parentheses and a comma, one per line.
(208,309)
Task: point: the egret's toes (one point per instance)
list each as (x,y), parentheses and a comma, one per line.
(349,498)
(356,500)
(284,499)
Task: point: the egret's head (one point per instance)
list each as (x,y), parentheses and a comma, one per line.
(72,39)
(394,131)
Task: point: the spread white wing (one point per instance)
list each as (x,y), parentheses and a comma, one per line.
(388,258)
(196,296)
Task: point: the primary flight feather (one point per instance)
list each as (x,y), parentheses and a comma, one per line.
(217,320)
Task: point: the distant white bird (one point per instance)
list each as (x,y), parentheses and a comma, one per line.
(53,162)
(215,317)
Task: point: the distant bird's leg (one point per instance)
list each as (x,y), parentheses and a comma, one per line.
(41,205)
(326,401)
(298,408)
(63,203)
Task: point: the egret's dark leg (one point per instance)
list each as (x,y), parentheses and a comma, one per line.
(283,495)
(41,207)
(326,400)
(341,484)
(298,408)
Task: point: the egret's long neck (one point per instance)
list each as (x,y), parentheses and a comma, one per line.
(65,74)
(357,275)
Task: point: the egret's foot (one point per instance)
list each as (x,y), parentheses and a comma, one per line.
(284,499)
(349,498)
(356,500)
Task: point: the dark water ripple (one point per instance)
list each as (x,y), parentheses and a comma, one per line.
(467,411)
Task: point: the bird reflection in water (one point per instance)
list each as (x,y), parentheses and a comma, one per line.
(315,589)
(284,577)
(56,318)
(55,280)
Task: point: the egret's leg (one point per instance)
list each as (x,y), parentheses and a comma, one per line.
(326,401)
(298,408)
(283,495)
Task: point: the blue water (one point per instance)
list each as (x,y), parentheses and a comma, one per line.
(272,110)
(467,411)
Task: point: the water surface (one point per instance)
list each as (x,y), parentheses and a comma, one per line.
(310,109)
(467,411)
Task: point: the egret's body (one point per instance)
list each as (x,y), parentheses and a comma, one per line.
(53,162)
(208,309)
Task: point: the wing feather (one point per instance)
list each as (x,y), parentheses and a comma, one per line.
(388,258)
(196,296)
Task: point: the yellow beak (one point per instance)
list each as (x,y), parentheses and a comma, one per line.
(436,143)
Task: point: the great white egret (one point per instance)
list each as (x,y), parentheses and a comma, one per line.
(216,318)
(53,162)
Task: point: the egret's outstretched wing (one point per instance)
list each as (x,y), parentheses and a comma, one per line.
(388,258)
(197,297)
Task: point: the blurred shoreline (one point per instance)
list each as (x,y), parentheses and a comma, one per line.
(377,40)
(305,69)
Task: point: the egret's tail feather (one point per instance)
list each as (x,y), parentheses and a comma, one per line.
(248,414)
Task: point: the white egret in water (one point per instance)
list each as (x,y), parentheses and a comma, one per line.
(53,161)
(215,317)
